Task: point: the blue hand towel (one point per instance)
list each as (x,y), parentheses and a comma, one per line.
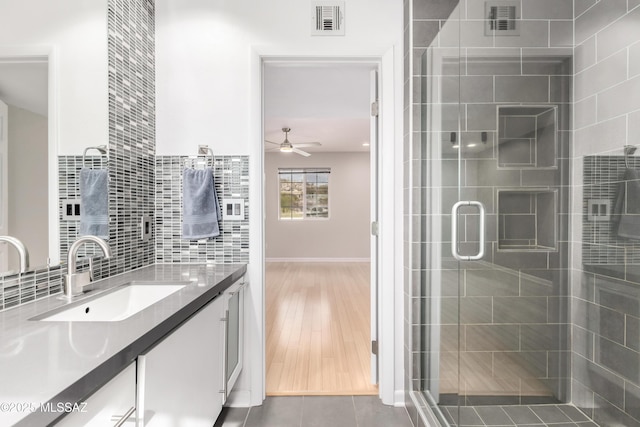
(627,207)
(200,207)
(94,202)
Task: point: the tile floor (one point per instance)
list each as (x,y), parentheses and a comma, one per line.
(521,416)
(316,411)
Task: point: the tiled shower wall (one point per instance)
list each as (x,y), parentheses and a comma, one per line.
(606,279)
(231,176)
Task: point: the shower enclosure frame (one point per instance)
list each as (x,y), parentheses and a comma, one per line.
(436,118)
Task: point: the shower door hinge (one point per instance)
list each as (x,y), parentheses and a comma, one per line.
(375,228)
(374,347)
(375,107)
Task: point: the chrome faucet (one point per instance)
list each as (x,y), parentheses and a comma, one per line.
(22,251)
(74,282)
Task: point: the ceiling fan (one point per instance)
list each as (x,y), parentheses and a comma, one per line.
(287,147)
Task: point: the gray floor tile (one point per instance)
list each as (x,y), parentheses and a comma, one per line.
(322,411)
(277,412)
(468,417)
(494,416)
(448,412)
(522,415)
(370,412)
(232,417)
(550,414)
(573,413)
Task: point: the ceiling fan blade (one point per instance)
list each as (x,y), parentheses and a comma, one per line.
(307,144)
(271,142)
(302,153)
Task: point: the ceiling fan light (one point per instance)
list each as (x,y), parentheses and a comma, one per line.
(286,148)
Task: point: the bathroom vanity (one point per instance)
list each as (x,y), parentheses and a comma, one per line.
(169,363)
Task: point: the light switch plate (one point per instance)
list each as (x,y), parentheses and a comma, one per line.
(599,210)
(232,209)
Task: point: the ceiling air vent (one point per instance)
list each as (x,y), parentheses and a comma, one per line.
(327,18)
(502,18)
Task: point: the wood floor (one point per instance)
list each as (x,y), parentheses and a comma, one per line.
(318,329)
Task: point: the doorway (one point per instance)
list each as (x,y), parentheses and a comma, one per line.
(320,198)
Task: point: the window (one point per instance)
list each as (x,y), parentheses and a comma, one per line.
(304,193)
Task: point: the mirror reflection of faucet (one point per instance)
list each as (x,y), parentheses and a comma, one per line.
(22,251)
(74,281)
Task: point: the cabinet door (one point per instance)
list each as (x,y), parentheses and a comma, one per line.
(180,379)
(235,334)
(107,406)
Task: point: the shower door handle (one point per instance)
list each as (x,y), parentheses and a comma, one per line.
(454,230)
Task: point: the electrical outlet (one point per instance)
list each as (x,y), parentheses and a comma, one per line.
(71,210)
(145,227)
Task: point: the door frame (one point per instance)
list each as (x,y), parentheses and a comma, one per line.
(373,183)
(390,314)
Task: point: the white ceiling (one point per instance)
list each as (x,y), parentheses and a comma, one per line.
(328,103)
(24,84)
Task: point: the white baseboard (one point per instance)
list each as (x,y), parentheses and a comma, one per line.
(317,260)
(398,398)
(239,399)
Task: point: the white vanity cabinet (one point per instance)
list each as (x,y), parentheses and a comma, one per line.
(180,380)
(112,405)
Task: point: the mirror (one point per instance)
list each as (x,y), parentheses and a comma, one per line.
(28,207)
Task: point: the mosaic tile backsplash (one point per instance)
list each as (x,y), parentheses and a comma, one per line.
(132,130)
(231,176)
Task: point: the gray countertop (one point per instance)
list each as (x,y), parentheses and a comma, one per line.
(43,361)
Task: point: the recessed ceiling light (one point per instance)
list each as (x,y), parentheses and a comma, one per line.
(455,146)
(473,144)
(365,144)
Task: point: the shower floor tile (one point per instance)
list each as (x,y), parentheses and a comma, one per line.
(520,416)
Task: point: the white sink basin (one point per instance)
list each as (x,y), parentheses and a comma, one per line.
(114,305)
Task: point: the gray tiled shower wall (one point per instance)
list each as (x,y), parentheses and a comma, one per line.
(606,279)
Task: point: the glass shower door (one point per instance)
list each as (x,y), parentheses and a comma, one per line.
(494,202)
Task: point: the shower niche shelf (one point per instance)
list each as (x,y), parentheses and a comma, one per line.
(527,220)
(527,137)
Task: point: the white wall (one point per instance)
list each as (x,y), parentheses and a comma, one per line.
(28,170)
(76,31)
(208,91)
(345,234)
(203,61)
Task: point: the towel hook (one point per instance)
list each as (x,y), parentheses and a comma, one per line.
(628,152)
(101,148)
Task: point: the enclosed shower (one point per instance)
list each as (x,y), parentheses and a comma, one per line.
(523,244)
